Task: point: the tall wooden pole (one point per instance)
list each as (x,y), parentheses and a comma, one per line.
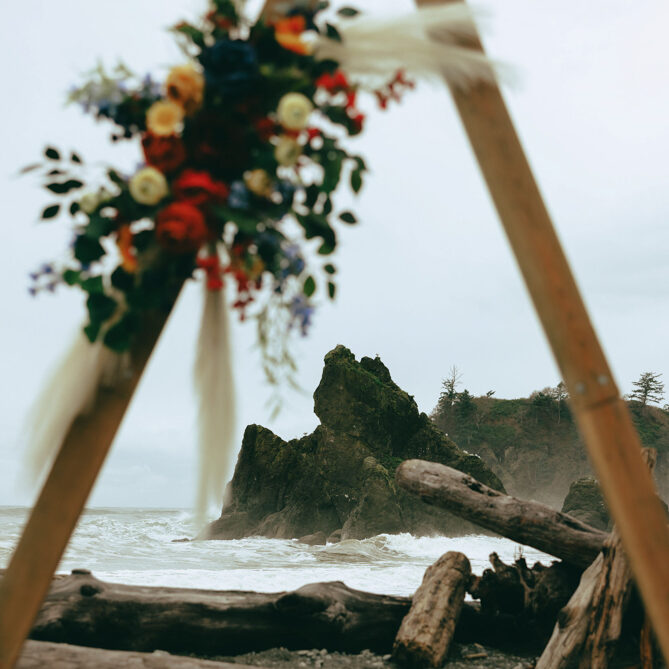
(603,418)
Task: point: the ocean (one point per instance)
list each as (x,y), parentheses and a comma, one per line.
(135,546)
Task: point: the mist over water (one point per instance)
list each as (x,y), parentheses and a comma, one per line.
(135,546)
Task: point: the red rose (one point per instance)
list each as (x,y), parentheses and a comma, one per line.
(199,188)
(164,153)
(181,227)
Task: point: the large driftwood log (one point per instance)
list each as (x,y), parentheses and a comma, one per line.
(427,630)
(40,654)
(529,523)
(82,610)
(590,626)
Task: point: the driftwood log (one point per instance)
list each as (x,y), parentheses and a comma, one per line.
(41,654)
(427,630)
(529,523)
(591,624)
(82,610)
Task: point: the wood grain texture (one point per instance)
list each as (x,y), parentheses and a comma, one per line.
(81,609)
(603,418)
(530,523)
(41,654)
(427,630)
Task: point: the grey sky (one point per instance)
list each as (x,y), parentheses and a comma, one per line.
(426,281)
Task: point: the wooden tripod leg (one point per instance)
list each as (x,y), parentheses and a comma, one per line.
(602,417)
(62,500)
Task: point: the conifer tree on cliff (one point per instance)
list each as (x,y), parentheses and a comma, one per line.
(648,389)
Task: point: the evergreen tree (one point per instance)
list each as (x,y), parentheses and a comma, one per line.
(648,389)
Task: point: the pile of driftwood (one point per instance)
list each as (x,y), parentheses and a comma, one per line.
(588,627)
(517,606)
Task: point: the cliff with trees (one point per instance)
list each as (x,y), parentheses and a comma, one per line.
(532,443)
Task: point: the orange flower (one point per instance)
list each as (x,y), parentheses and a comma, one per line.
(124,243)
(288,33)
(185,86)
(164,118)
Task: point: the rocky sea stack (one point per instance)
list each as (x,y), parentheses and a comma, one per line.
(338,482)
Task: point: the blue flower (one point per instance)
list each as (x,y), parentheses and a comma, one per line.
(239,197)
(230,67)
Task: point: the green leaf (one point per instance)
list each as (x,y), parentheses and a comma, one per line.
(328,246)
(312,193)
(62,187)
(330,268)
(348,217)
(356,180)
(116,178)
(74,157)
(98,226)
(332,171)
(93,285)
(92,331)
(362,165)
(71,277)
(332,289)
(50,212)
(101,307)
(120,335)
(122,280)
(348,12)
(87,249)
(51,153)
(244,221)
(332,32)
(309,286)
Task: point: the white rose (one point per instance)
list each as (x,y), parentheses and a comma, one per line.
(287,151)
(148,186)
(293,111)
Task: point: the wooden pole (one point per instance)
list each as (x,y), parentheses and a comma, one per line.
(602,417)
(62,499)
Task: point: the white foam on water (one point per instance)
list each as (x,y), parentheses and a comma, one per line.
(135,546)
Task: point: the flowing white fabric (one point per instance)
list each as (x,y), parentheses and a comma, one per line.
(214,384)
(423,42)
(68,393)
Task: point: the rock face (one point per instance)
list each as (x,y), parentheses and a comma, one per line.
(339,480)
(586,502)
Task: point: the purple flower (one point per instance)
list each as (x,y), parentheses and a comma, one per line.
(239,197)
(301,312)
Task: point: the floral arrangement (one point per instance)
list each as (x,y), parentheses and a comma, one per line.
(237,142)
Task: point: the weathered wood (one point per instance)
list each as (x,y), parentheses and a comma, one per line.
(427,630)
(63,496)
(40,654)
(602,417)
(530,523)
(591,624)
(572,625)
(82,610)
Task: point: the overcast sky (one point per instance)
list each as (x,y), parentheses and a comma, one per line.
(426,281)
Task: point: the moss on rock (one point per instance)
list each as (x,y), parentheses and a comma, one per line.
(341,477)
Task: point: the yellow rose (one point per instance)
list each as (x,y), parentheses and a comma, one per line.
(89,202)
(287,151)
(148,186)
(258,182)
(185,86)
(293,111)
(164,117)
